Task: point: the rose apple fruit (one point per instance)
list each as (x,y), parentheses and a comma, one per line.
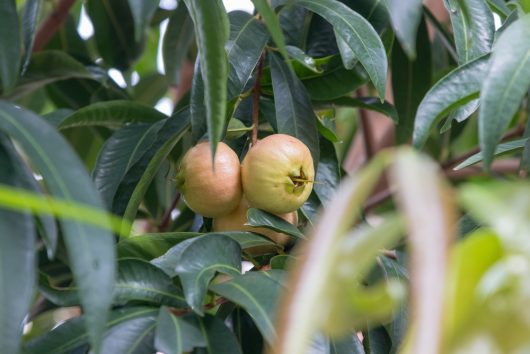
(236,220)
(277,174)
(211,192)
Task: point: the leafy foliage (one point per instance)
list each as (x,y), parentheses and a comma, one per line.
(100,254)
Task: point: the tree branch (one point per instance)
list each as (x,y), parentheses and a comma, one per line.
(51,24)
(167,215)
(255,100)
(368,137)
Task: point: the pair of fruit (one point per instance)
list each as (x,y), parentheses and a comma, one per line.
(276,176)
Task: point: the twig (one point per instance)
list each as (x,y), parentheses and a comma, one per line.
(255,100)
(182,312)
(51,24)
(167,215)
(368,137)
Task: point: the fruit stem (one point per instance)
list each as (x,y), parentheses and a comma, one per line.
(255,101)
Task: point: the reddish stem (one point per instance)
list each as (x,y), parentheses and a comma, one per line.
(51,24)
(255,100)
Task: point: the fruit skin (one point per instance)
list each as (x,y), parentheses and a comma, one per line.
(236,220)
(211,193)
(268,169)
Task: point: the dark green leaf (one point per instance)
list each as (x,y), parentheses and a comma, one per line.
(500,149)
(17,257)
(273,24)
(358,34)
(327,178)
(260,218)
(112,113)
(294,112)
(151,88)
(257,293)
(177,40)
(212,31)
(248,239)
(142,12)
(219,338)
(505,85)
(197,108)
(175,335)
(119,153)
(304,59)
(114,31)
(72,334)
(196,261)
(90,249)
(369,103)
(244,52)
(406,17)
(410,82)
(30,18)
(9,45)
(150,246)
(456,88)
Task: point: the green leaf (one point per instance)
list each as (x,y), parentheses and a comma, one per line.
(358,34)
(30,19)
(90,249)
(175,335)
(411,79)
(9,45)
(17,257)
(473,28)
(114,30)
(273,24)
(150,246)
(244,52)
(177,40)
(197,108)
(219,339)
(134,336)
(248,240)
(151,88)
(369,103)
(112,113)
(349,60)
(72,334)
(406,17)
(328,172)
(200,260)
(456,88)
(260,218)
(258,294)
(294,112)
(119,153)
(142,12)
(211,31)
(505,85)
(304,59)
(501,149)
(426,199)
(47,67)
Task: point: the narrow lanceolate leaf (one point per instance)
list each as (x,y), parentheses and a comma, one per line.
(358,34)
(142,11)
(406,17)
(473,28)
(244,51)
(369,103)
(300,56)
(211,30)
(90,248)
(131,336)
(257,293)
(328,172)
(297,320)
(504,86)
(177,40)
(411,79)
(72,334)
(294,112)
(219,339)
(149,246)
(273,24)
(430,213)
(17,252)
(260,218)
(456,88)
(111,114)
(177,335)
(30,19)
(9,45)
(510,146)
